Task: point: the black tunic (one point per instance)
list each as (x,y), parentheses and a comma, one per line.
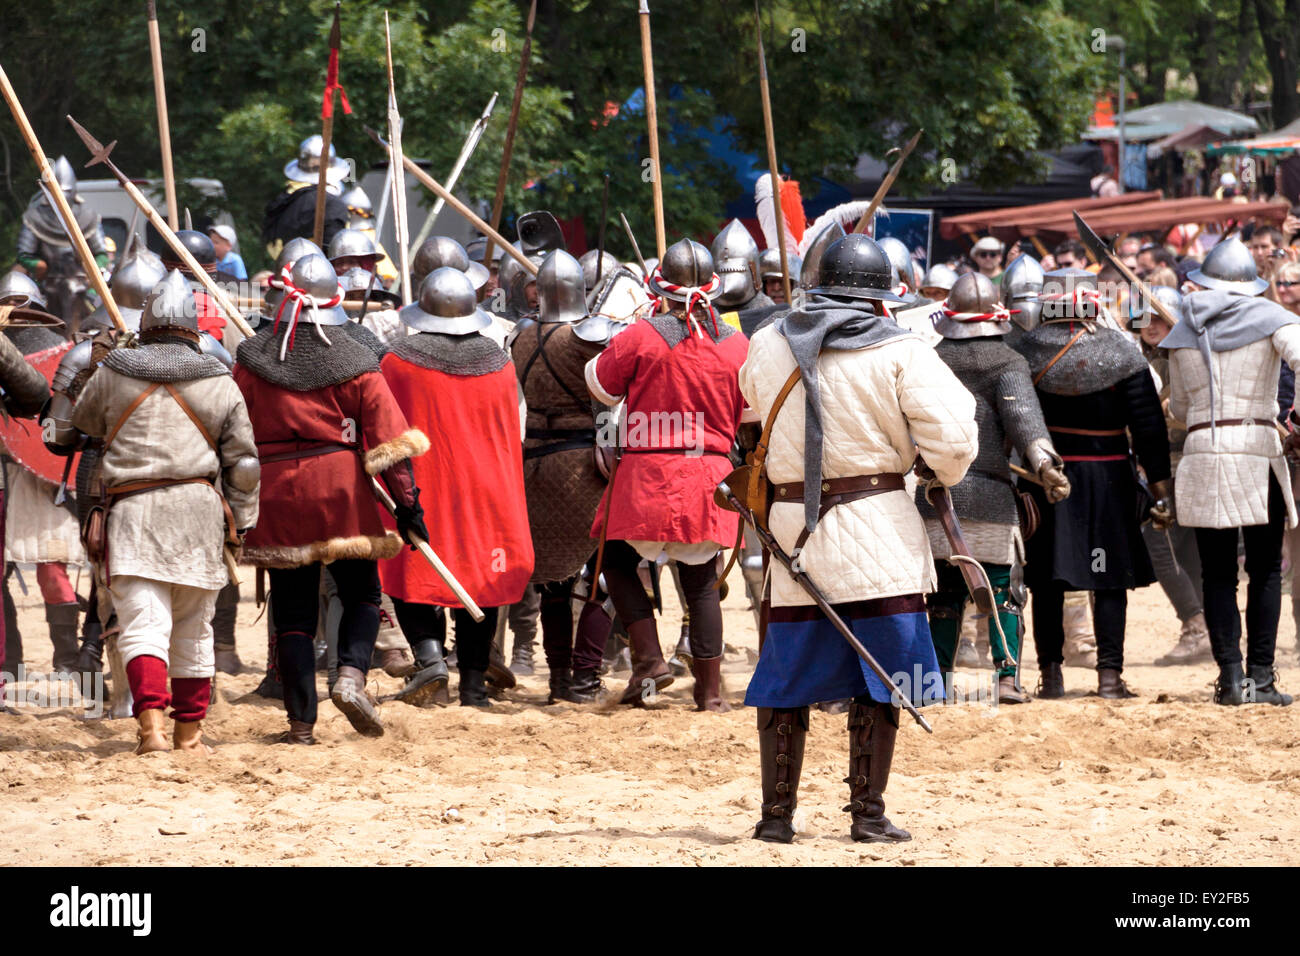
(1092,540)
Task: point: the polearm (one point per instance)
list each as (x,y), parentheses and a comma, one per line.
(771,154)
(636,248)
(801,578)
(60,202)
(100,155)
(327,128)
(435,187)
(164,127)
(652,127)
(430,555)
(503,175)
(887,182)
(1101,252)
(600,241)
(395,161)
(466,151)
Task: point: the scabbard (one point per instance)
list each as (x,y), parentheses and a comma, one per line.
(941,502)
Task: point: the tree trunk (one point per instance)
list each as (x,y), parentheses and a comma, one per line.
(1280,35)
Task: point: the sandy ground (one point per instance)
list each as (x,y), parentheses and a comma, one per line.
(1167,779)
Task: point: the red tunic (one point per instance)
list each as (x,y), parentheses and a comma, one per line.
(319,508)
(471,486)
(687,397)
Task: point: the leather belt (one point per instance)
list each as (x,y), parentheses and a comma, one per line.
(571,444)
(1090,432)
(1226,421)
(311,451)
(838,491)
(673,451)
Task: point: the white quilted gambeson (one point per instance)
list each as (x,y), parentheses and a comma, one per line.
(1222,480)
(880,407)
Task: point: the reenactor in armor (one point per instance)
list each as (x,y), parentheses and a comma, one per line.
(292,212)
(180,475)
(769,269)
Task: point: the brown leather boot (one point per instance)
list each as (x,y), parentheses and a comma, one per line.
(781,736)
(650,673)
(151,734)
(872,730)
(1051,682)
(188,735)
(1111,686)
(300,732)
(708,684)
(1010,691)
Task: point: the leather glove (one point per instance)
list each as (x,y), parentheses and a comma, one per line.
(410,523)
(1041,456)
(1162,515)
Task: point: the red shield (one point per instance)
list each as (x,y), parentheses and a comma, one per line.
(21,437)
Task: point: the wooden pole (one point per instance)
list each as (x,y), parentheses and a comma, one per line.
(395,158)
(888,181)
(771,155)
(503,175)
(327,131)
(652,127)
(164,127)
(64,210)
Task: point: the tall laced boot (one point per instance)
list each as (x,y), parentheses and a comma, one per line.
(781,737)
(427,685)
(1193,645)
(708,685)
(1263,681)
(1228,689)
(62,619)
(151,733)
(872,730)
(349,695)
(650,673)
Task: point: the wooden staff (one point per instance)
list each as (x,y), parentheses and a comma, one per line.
(888,181)
(51,182)
(164,128)
(435,187)
(100,153)
(327,126)
(771,155)
(652,127)
(503,175)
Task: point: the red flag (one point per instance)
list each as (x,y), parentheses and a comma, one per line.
(331,84)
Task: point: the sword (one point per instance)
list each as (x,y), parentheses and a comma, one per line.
(801,578)
(429,555)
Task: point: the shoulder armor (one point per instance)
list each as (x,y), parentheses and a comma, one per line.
(208,345)
(598,328)
(77,360)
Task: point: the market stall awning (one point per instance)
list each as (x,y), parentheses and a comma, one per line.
(1189,137)
(979,223)
(1153,217)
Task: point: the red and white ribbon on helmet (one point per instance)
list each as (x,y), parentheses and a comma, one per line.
(297,299)
(694,295)
(1001,314)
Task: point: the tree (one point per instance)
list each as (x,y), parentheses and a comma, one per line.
(1279,30)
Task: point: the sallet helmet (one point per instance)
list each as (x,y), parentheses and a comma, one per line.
(735,257)
(1022,283)
(561,294)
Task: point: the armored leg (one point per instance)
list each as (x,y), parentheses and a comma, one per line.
(781,737)
(223,630)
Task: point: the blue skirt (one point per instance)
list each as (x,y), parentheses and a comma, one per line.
(805,660)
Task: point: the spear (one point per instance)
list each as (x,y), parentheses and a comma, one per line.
(395,163)
(466,151)
(504,174)
(327,126)
(164,128)
(888,181)
(600,242)
(652,127)
(51,182)
(435,187)
(771,154)
(100,155)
